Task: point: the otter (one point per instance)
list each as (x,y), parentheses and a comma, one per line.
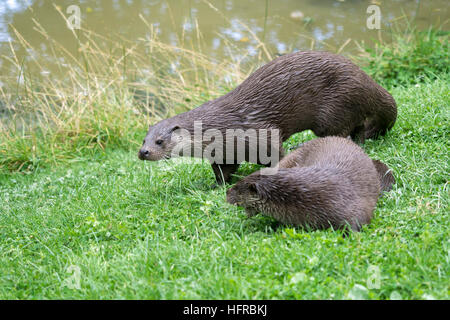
(328,182)
(315,90)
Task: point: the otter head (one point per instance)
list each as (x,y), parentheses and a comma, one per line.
(159,142)
(248,193)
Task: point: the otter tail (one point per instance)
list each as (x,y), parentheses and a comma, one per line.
(386,177)
(383,118)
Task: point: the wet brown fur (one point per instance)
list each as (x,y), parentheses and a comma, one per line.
(327,182)
(320,91)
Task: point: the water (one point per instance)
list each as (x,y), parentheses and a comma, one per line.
(284,25)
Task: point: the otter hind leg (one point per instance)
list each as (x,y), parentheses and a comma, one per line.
(339,126)
(373,129)
(223,172)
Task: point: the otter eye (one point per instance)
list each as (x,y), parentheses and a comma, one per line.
(159,142)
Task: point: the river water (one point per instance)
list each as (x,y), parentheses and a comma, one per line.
(284,25)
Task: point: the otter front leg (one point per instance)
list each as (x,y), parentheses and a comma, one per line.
(223,172)
(357,134)
(251,212)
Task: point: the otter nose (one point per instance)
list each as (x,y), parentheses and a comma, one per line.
(144,154)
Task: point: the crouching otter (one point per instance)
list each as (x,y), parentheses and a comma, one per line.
(328,182)
(320,91)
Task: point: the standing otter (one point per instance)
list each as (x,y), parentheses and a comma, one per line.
(320,91)
(326,182)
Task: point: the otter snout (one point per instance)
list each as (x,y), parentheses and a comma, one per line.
(144,154)
(231,197)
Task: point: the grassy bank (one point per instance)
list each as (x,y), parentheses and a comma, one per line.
(156,230)
(81,217)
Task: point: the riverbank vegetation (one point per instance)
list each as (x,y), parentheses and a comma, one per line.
(107,97)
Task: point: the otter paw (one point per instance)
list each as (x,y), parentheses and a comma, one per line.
(217,185)
(251,212)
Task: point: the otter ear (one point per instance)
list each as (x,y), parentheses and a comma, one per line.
(256,189)
(175,128)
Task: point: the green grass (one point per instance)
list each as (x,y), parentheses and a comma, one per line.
(156,230)
(412,57)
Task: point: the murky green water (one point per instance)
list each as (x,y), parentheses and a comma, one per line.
(285,25)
